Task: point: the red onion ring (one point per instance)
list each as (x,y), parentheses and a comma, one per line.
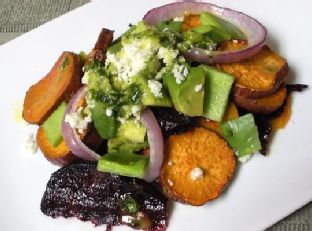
(154,135)
(71,138)
(156,142)
(253,30)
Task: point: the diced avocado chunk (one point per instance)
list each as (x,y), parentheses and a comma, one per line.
(53,125)
(130,137)
(171,25)
(131,130)
(149,99)
(188,96)
(217,90)
(242,135)
(222,30)
(105,125)
(124,164)
(120,145)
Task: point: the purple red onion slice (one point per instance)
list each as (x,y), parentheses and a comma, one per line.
(253,30)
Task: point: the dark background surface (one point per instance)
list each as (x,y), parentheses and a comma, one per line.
(20,16)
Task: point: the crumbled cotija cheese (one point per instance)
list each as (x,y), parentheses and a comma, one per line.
(132,58)
(77,120)
(196,173)
(198,87)
(180,72)
(155,87)
(109,112)
(30,143)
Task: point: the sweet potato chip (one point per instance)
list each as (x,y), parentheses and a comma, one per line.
(61,151)
(189,154)
(263,105)
(60,84)
(259,75)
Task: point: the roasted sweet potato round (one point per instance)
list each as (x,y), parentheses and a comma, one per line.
(50,152)
(263,105)
(259,75)
(198,165)
(60,84)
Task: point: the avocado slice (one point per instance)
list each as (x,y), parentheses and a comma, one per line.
(188,96)
(130,137)
(130,130)
(105,125)
(53,125)
(222,29)
(242,135)
(121,145)
(217,90)
(149,99)
(124,164)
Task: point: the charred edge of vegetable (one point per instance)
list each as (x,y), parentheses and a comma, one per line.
(296,87)
(98,53)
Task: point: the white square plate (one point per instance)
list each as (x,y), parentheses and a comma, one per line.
(264,190)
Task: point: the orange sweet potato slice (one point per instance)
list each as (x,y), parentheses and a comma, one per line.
(232,45)
(263,105)
(61,151)
(259,75)
(60,84)
(191,21)
(198,148)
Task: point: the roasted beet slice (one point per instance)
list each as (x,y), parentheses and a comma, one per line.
(79,190)
(172,122)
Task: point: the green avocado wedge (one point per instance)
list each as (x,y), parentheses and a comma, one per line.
(124,164)
(188,96)
(105,125)
(53,125)
(242,135)
(218,86)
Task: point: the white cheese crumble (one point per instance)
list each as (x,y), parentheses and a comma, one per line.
(178,19)
(77,120)
(170,182)
(198,87)
(180,72)
(121,120)
(196,173)
(109,112)
(167,55)
(155,87)
(135,110)
(181,59)
(30,144)
(90,102)
(160,73)
(244,159)
(132,58)
(85,78)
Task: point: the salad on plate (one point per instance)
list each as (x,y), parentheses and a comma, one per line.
(163,112)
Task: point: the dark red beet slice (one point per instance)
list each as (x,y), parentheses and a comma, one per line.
(171,121)
(79,190)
